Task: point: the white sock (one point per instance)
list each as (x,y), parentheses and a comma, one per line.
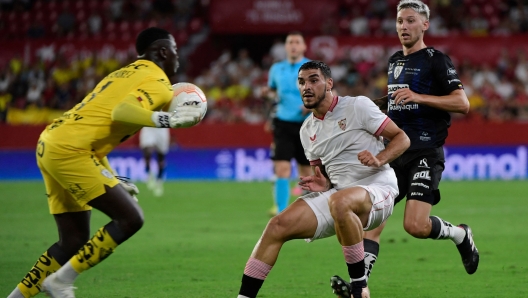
(449,231)
(67,274)
(16,294)
(242,296)
(459,235)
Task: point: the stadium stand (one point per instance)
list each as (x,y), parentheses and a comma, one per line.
(35,86)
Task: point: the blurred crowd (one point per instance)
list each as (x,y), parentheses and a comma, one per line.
(232,83)
(448,17)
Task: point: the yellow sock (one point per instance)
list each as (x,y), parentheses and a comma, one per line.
(31,284)
(94,251)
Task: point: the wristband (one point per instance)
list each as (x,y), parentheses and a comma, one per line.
(161,119)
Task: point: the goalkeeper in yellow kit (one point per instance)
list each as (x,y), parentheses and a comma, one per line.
(71,154)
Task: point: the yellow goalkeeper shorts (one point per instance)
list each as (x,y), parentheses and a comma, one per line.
(72,177)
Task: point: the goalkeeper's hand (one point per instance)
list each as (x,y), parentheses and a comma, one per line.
(130,187)
(183,116)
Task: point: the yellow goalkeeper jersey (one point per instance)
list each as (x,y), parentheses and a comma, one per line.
(89,125)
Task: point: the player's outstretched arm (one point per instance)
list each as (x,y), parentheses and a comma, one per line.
(130,111)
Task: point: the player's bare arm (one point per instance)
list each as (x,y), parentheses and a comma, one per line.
(319,181)
(399,142)
(455,102)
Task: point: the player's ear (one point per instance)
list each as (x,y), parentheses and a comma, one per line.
(330,83)
(425,26)
(163,52)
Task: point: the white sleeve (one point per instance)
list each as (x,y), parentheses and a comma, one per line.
(369,115)
(306,143)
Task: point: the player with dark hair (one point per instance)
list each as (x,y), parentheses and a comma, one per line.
(423,88)
(352,185)
(287,118)
(71,154)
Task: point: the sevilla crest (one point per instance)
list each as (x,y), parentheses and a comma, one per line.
(342,124)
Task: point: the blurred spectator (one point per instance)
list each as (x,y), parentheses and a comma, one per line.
(95,23)
(65,22)
(359,23)
(5,100)
(34,95)
(521,68)
(36,30)
(277,50)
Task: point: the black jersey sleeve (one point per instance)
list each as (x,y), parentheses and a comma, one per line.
(445,73)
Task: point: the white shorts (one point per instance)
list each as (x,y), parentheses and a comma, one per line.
(382,197)
(155,137)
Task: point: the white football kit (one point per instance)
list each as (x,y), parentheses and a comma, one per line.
(351,125)
(155,137)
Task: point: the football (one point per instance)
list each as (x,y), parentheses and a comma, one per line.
(187,94)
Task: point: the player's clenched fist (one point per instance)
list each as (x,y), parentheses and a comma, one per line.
(367,159)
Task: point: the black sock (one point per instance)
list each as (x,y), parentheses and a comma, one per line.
(250,286)
(371,255)
(356,270)
(436,227)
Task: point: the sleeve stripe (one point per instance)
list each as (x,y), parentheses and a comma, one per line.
(382,126)
(315,162)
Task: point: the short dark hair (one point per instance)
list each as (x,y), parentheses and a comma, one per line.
(314,64)
(146,37)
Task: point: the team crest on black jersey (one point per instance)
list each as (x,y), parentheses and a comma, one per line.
(398,69)
(342,124)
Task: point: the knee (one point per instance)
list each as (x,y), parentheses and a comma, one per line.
(338,206)
(132,222)
(418,229)
(341,205)
(277,229)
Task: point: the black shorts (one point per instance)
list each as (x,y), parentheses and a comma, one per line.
(419,173)
(287,142)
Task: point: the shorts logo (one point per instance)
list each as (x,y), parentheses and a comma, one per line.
(422,175)
(416,194)
(342,124)
(313,138)
(76,190)
(423,163)
(107,174)
(420,184)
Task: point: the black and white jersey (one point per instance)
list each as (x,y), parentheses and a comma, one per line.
(427,71)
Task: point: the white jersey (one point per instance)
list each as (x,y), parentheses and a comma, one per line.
(155,137)
(351,125)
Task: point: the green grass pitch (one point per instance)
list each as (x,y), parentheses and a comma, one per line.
(198,237)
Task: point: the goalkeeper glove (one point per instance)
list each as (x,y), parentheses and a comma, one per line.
(130,187)
(183,116)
